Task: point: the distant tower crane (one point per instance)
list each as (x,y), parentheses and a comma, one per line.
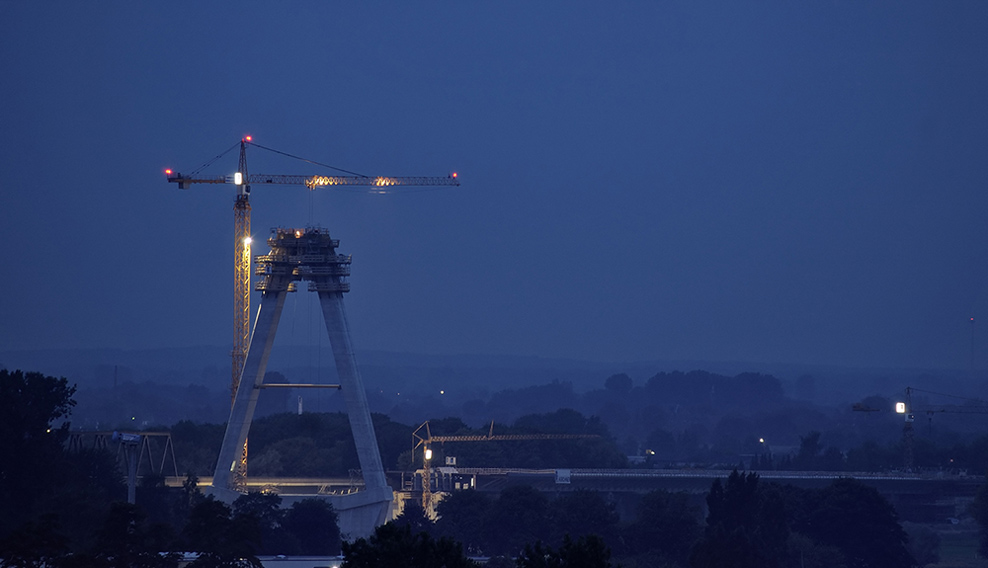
(422,437)
(908,411)
(242,235)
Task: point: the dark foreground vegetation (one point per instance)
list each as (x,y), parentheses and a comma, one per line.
(61,508)
(748,523)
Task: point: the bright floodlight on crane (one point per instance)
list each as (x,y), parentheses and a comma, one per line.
(900,407)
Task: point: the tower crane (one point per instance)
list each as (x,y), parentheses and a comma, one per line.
(909,411)
(422,438)
(242,236)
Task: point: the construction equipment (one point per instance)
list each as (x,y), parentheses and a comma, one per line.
(242,234)
(909,411)
(426,439)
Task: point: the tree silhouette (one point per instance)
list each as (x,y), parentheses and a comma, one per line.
(314,523)
(31,442)
(463,516)
(263,509)
(35,544)
(394,545)
(666,525)
(619,383)
(585,552)
(127,540)
(745,526)
(583,513)
(220,540)
(520,515)
(413,516)
(861,523)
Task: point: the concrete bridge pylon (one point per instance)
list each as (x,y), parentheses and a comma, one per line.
(307,255)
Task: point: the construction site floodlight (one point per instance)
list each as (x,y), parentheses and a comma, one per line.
(428,454)
(238,178)
(900,408)
(248,240)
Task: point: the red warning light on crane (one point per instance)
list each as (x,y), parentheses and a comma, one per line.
(453,175)
(247,138)
(169,172)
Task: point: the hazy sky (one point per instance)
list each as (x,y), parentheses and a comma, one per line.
(798,182)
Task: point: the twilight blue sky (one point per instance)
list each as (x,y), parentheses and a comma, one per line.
(795,182)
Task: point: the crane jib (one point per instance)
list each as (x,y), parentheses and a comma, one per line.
(318,181)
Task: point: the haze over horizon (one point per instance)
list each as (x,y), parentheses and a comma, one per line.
(790,184)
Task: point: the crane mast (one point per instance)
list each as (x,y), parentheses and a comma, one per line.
(241,294)
(241,277)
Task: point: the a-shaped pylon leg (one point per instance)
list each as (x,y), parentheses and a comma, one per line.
(307,255)
(245,401)
(354,395)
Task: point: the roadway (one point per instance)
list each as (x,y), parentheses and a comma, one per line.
(928,497)
(611,480)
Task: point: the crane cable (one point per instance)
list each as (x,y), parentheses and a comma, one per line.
(952,408)
(305,160)
(914,389)
(209,162)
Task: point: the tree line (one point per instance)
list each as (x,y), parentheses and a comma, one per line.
(61,508)
(748,524)
(321,445)
(672,419)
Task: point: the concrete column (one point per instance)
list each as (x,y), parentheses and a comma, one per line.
(354,395)
(131,452)
(261,340)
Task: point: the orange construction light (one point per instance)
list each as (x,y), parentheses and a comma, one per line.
(168,172)
(247,138)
